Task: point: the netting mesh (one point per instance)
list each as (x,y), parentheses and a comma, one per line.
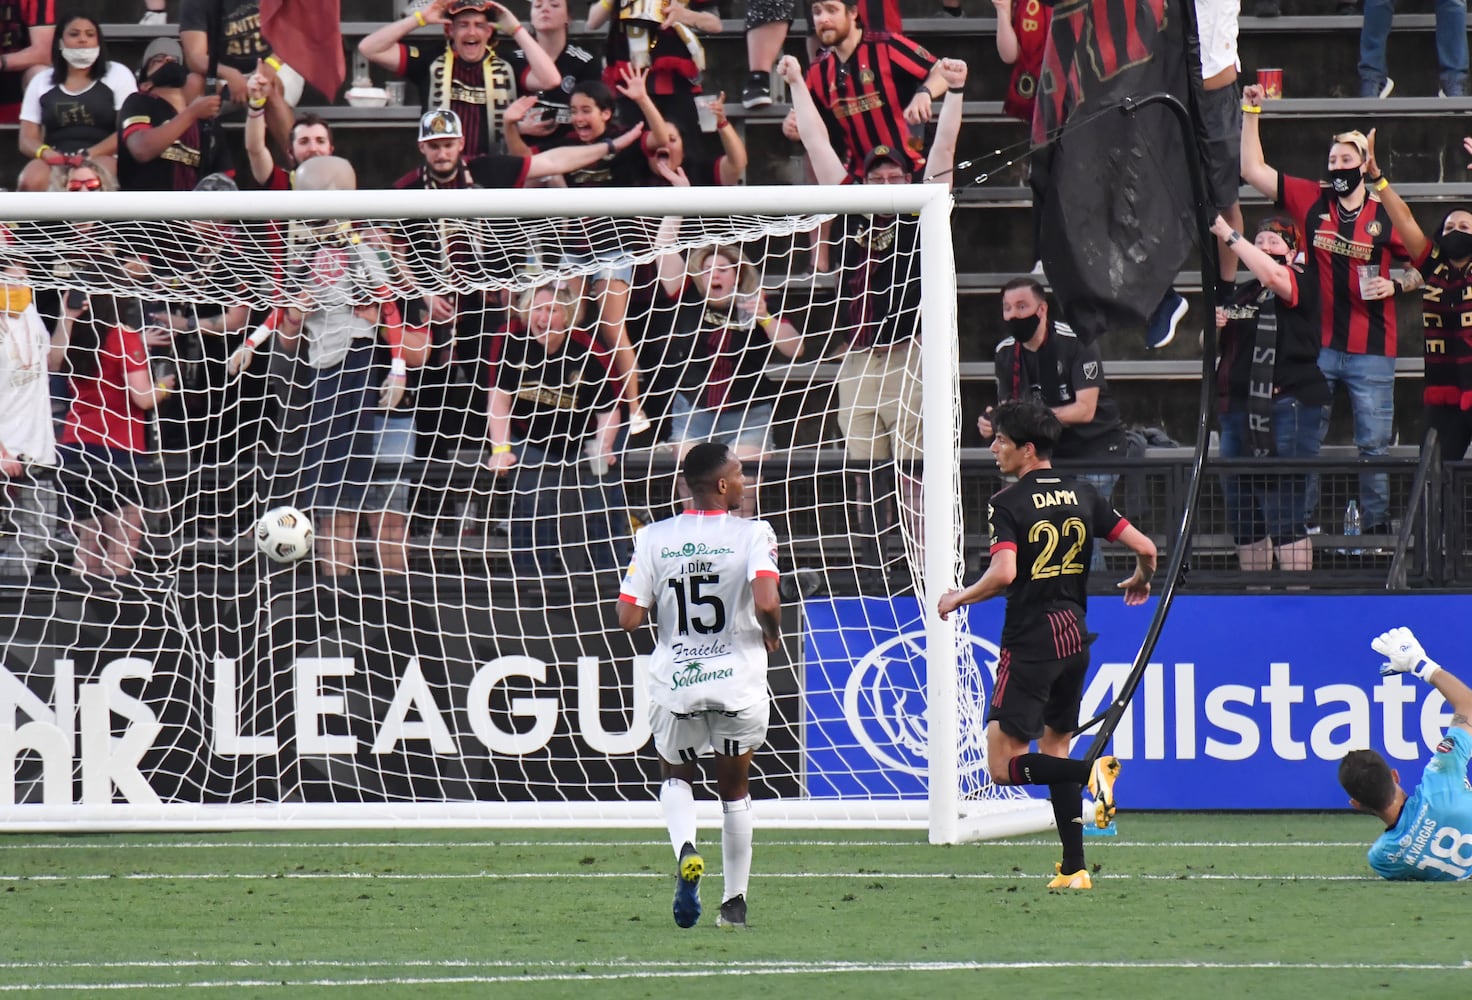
(475,415)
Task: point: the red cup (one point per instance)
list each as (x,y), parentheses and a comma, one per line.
(1271,81)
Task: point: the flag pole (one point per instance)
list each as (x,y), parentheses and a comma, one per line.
(1182,540)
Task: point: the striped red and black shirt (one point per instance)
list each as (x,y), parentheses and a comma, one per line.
(1446,309)
(1338,244)
(17,18)
(1051,521)
(867,95)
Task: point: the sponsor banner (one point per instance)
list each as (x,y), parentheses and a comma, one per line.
(1248,703)
(314,696)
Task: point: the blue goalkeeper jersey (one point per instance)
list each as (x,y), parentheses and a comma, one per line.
(1432,840)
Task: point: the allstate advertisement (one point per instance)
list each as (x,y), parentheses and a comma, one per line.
(1248,702)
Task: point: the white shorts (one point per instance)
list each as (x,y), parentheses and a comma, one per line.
(681,739)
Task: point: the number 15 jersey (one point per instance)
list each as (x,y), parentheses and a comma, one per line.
(696,570)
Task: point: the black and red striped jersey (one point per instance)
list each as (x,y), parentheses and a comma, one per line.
(867,95)
(1051,522)
(1340,242)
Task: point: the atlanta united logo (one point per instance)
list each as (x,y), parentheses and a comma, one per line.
(884,702)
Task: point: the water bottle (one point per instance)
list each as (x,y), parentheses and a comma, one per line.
(1352,524)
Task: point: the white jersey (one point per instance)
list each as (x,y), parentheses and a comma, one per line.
(696,570)
(25,393)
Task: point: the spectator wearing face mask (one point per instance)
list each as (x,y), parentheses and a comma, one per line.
(1347,228)
(1445,261)
(165,141)
(27,438)
(70,110)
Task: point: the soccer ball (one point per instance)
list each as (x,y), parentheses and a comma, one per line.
(284,534)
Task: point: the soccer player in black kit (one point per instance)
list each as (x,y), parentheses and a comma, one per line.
(1046,523)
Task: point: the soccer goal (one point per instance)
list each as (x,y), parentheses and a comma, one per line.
(474,397)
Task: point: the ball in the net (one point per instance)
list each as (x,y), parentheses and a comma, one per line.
(284,534)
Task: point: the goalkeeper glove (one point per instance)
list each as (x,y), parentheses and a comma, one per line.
(1404,654)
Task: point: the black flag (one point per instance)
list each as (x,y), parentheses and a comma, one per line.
(1114,192)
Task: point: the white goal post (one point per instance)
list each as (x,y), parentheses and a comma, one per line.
(150,701)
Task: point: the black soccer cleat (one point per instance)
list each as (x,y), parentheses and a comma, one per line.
(733,912)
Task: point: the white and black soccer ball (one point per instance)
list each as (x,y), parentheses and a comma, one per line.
(284,534)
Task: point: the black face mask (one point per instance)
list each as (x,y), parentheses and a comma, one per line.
(1344,182)
(1455,245)
(170,74)
(1021,328)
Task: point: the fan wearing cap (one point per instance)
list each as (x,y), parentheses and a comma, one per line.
(165,141)
(1271,394)
(442,144)
(222,38)
(1347,229)
(27,28)
(466,75)
(879,277)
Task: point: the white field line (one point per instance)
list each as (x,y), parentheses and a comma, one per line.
(664,971)
(297,845)
(571,876)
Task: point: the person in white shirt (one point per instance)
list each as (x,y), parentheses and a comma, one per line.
(1221,111)
(27,436)
(713,579)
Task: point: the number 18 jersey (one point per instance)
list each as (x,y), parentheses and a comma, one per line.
(1432,840)
(695,570)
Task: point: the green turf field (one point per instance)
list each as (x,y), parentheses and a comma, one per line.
(1260,906)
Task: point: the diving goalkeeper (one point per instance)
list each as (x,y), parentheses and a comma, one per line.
(1428,833)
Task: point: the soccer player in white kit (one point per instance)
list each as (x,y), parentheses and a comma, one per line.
(713,579)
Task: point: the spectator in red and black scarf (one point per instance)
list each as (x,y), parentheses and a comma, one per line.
(466,74)
(1445,262)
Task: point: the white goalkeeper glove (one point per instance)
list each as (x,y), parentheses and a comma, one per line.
(1404,654)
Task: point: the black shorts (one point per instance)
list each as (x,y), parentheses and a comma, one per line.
(97,480)
(1030,696)
(1221,148)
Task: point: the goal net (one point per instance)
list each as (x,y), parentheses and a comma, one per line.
(475,398)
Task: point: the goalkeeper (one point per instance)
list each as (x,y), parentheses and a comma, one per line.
(1428,832)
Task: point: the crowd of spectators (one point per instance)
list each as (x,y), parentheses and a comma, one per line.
(552,383)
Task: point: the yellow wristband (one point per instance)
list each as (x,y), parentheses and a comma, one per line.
(256,104)
(500,449)
(41,150)
(274,62)
(1382,184)
(766,322)
(1251,109)
(419,16)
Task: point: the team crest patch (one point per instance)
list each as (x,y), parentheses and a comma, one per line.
(1445,746)
(1374,227)
(866,75)
(1091,369)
